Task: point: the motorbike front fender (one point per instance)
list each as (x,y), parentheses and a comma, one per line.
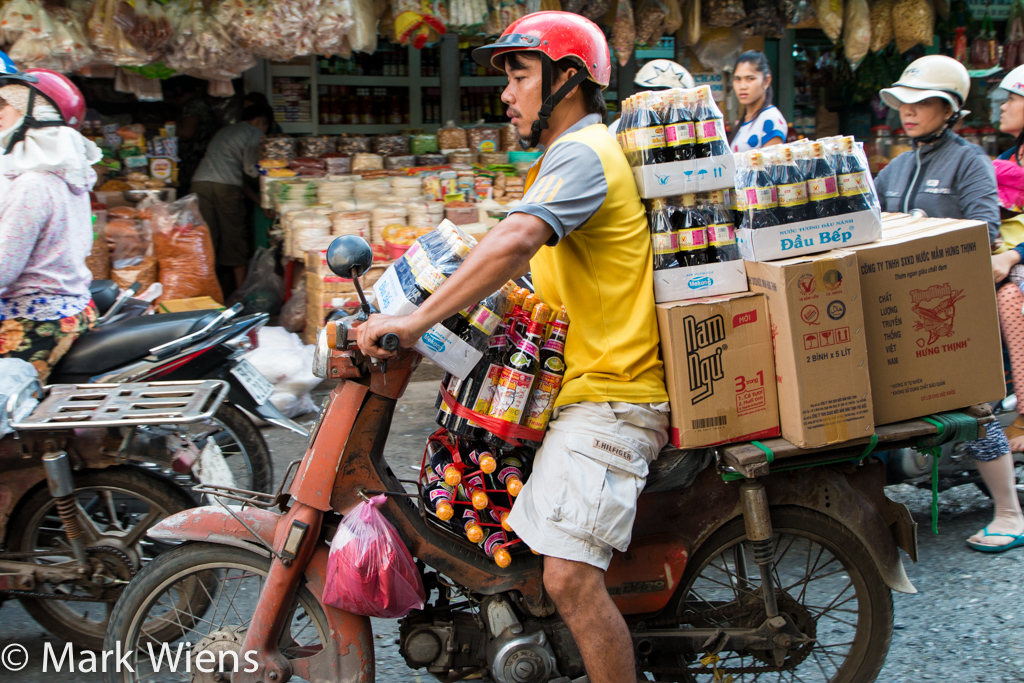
(348,655)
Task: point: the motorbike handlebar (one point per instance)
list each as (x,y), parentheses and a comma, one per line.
(389,342)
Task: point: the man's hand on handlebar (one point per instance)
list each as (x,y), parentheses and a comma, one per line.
(370,334)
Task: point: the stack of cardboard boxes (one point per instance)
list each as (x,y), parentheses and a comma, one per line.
(326,292)
(891,330)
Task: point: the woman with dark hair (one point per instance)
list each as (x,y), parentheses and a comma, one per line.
(761,124)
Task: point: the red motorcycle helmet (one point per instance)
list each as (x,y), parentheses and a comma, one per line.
(557,35)
(553,36)
(61,93)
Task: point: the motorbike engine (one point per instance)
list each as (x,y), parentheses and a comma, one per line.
(495,639)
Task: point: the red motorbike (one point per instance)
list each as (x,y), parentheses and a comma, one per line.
(740,565)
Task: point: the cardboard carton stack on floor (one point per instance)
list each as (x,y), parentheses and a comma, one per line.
(326,292)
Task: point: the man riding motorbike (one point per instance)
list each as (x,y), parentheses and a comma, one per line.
(45,229)
(582,232)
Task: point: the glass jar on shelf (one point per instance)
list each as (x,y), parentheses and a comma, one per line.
(900,144)
(878,148)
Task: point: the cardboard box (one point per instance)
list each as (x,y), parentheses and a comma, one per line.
(719,370)
(438,343)
(196,303)
(685,177)
(930,319)
(694,282)
(821,356)
(809,237)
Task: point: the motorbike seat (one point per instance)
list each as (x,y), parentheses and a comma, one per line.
(104,294)
(676,468)
(119,343)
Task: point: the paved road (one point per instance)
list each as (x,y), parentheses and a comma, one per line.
(965,624)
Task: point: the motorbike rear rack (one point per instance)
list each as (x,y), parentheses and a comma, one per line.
(68,406)
(751,460)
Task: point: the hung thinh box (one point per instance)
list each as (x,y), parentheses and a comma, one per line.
(821,357)
(930,318)
(719,370)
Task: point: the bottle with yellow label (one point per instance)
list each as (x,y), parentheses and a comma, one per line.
(551,370)
(519,372)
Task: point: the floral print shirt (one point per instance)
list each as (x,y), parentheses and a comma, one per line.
(45,237)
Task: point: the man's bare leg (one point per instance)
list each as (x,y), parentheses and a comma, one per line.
(593,619)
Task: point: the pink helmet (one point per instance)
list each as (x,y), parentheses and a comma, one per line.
(61,93)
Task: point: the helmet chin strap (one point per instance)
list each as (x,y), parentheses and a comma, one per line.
(948,125)
(29,122)
(550,101)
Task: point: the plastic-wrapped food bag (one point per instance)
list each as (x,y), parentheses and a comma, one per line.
(913,23)
(856,32)
(763,19)
(183,250)
(624,32)
(369,569)
(650,21)
(881,25)
(722,13)
(830,17)
(263,289)
(674,19)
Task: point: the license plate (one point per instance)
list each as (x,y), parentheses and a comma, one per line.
(255,383)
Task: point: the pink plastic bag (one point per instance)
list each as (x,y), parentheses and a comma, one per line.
(369,570)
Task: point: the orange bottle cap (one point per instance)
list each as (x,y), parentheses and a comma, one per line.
(452,476)
(444,510)
(504,521)
(488,464)
(474,533)
(514,485)
(480,499)
(502,557)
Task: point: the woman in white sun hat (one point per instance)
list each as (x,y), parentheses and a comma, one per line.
(1011,113)
(947,177)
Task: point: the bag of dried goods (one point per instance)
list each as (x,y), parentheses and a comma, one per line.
(98,260)
(830,17)
(913,23)
(452,137)
(722,13)
(142,271)
(183,250)
(797,11)
(624,32)
(650,21)
(881,25)
(763,19)
(856,32)
(128,241)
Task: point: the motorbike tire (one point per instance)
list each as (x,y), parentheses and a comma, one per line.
(191,564)
(874,599)
(39,509)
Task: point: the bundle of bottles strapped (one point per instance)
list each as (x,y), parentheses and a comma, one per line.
(679,124)
(495,417)
(803,181)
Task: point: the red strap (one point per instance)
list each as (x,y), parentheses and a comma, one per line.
(506,430)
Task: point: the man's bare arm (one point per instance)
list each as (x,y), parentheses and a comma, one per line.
(502,255)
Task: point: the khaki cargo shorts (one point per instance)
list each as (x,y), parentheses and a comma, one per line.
(580,500)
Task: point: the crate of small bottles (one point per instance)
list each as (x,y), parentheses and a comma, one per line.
(805,198)
(458,343)
(675,142)
(498,415)
(694,243)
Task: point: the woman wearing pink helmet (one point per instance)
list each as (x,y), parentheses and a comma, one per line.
(45,219)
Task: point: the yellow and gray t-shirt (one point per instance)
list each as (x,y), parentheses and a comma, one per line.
(598,265)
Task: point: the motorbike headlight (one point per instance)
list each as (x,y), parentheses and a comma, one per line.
(321,355)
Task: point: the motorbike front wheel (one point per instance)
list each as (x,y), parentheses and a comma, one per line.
(825,582)
(116,506)
(202,596)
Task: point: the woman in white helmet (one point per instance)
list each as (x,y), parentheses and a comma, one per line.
(947,177)
(658,74)
(1011,113)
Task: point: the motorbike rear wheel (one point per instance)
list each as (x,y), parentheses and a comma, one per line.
(204,594)
(116,506)
(825,581)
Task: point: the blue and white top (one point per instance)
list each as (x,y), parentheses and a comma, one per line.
(767,125)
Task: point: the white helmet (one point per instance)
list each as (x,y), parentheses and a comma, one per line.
(663,73)
(931,76)
(1014,81)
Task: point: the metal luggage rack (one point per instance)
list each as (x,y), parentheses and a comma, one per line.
(68,406)
(246,497)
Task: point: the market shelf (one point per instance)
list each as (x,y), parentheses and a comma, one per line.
(295,128)
(290,71)
(471,81)
(374,129)
(379,81)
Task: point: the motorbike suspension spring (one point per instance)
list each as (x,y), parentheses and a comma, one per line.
(764,551)
(67,508)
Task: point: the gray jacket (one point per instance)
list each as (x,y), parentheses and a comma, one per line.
(951,178)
